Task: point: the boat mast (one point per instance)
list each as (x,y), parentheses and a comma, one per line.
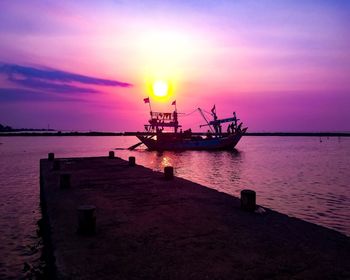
(201,112)
(175,117)
(150,108)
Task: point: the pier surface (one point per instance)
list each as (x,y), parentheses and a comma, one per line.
(151,228)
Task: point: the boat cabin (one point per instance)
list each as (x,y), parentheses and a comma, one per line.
(160,120)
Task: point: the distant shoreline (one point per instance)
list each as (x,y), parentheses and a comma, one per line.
(95,133)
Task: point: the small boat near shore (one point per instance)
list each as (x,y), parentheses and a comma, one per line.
(156,138)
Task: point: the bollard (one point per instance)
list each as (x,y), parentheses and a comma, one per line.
(51,156)
(86,219)
(56,165)
(111,154)
(169,172)
(65,181)
(132,161)
(248,200)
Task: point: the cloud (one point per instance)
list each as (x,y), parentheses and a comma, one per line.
(14,94)
(56,75)
(55,87)
(44,84)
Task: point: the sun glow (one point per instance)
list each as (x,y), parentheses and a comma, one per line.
(160,88)
(165,56)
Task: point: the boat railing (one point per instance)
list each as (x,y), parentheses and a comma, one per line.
(163,116)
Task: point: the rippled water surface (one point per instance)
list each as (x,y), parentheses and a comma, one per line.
(299,176)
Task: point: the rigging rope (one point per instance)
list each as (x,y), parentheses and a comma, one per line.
(207,112)
(188,114)
(195,110)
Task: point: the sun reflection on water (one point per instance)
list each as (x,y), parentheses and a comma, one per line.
(166,161)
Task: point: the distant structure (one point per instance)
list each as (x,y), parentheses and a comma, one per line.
(5,128)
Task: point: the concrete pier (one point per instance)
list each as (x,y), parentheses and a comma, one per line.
(148,227)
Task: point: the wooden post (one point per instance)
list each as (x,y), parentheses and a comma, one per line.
(169,172)
(111,154)
(86,219)
(65,181)
(248,200)
(132,161)
(51,156)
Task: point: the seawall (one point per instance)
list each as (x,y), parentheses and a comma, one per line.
(151,228)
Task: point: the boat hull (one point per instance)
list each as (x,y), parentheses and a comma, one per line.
(216,143)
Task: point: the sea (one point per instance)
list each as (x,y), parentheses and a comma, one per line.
(303,177)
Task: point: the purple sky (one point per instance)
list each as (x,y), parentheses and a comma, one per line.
(87,65)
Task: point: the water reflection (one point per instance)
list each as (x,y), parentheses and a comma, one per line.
(218,169)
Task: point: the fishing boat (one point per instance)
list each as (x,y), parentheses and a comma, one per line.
(157,138)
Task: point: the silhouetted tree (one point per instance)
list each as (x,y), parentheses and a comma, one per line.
(5,128)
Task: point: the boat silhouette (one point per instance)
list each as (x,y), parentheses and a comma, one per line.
(156,138)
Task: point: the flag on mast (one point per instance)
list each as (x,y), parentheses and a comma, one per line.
(174,103)
(147,100)
(213,110)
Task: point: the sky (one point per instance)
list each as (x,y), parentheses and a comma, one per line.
(88,65)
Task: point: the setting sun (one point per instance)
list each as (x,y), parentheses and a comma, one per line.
(160,88)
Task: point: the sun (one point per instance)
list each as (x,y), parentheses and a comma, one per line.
(160,88)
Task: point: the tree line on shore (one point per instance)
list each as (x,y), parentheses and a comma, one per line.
(7,128)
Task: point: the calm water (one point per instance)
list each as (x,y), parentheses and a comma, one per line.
(299,176)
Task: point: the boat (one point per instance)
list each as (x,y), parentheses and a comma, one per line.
(156,138)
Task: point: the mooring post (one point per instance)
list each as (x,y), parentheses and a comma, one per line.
(51,156)
(248,200)
(86,219)
(111,154)
(132,161)
(56,165)
(65,181)
(169,172)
